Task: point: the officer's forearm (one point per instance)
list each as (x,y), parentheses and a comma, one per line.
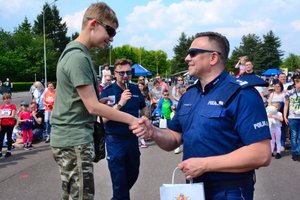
(166,139)
(243,159)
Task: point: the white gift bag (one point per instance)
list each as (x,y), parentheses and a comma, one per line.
(192,191)
(162,123)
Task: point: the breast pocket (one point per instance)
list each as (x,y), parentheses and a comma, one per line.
(185,110)
(211,112)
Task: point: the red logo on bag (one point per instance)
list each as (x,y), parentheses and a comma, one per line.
(181,197)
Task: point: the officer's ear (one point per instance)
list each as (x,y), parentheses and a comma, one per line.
(214,58)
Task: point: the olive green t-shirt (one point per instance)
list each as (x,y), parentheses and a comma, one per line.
(71,122)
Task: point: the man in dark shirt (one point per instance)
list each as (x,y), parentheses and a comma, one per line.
(37,122)
(123,153)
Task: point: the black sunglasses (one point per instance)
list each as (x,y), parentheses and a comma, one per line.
(194,51)
(110,30)
(122,73)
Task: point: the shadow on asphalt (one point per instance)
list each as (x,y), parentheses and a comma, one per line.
(20,154)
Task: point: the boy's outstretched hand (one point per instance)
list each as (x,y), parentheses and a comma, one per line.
(143,128)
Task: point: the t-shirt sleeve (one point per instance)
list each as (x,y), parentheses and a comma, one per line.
(251,126)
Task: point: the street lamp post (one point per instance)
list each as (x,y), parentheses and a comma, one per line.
(45,51)
(110,48)
(156,65)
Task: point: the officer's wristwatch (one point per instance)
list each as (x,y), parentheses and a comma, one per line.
(119,106)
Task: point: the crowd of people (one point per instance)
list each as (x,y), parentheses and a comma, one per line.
(22,125)
(6,87)
(280,97)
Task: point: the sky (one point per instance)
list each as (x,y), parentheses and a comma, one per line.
(158,24)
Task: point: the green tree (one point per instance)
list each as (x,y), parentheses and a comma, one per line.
(6,43)
(180,52)
(270,53)
(152,60)
(292,62)
(127,51)
(55,29)
(55,34)
(23,55)
(249,46)
(102,56)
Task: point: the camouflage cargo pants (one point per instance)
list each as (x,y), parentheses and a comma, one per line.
(76,171)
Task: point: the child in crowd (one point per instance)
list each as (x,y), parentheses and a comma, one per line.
(241,65)
(7,123)
(17,137)
(275,121)
(164,106)
(155,115)
(292,115)
(26,125)
(145,92)
(48,101)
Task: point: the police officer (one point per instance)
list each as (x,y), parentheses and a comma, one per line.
(221,122)
(123,153)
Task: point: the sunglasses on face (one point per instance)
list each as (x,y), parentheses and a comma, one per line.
(110,30)
(122,73)
(195,51)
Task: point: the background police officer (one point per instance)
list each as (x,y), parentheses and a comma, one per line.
(123,153)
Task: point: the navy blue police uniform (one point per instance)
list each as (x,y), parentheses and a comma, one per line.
(229,114)
(123,154)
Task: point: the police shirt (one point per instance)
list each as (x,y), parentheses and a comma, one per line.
(229,114)
(133,105)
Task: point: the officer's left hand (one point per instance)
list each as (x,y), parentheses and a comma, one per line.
(192,167)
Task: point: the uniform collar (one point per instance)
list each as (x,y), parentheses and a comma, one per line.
(213,83)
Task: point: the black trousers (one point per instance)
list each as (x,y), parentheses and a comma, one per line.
(8,130)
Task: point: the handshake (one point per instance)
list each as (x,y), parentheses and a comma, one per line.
(143,128)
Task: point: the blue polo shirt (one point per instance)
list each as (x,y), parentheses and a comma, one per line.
(229,114)
(133,106)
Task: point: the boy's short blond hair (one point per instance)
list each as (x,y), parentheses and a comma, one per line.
(100,11)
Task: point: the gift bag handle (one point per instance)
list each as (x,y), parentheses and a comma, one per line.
(173,176)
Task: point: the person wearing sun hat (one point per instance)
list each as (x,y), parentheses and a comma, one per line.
(24,103)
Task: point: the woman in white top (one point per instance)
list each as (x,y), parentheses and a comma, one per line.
(38,95)
(105,71)
(175,90)
(277,95)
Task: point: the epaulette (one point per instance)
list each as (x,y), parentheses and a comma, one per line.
(193,85)
(228,93)
(251,81)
